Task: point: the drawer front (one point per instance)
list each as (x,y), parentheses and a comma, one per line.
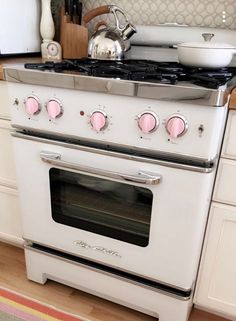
(7,166)
(4,104)
(10,227)
(225,187)
(229,146)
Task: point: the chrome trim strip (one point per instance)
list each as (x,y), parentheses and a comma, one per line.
(116,154)
(28,246)
(118,148)
(183,92)
(142,177)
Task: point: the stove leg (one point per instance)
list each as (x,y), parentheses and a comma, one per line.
(34,271)
(173,317)
(177,311)
(36,276)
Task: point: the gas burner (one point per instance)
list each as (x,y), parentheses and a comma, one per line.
(141,70)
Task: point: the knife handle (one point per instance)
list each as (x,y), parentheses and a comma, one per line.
(66,6)
(96,12)
(71,9)
(80,8)
(66,11)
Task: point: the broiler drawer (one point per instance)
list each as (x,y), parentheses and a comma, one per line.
(225,187)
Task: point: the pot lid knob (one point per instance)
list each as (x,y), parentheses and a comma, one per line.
(208,36)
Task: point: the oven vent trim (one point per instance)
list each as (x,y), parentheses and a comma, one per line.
(174,161)
(177,293)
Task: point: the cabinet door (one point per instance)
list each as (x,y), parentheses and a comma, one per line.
(225,186)
(4,104)
(229,146)
(216,285)
(7,165)
(10,220)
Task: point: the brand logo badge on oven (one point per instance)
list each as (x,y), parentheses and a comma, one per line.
(96,248)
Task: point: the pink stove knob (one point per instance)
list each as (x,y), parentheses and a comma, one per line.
(54,108)
(32,106)
(176,126)
(98,121)
(148,122)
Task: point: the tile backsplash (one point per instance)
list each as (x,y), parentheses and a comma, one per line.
(210,13)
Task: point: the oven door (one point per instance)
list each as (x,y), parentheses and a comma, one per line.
(123,212)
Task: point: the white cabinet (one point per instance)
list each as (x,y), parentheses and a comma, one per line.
(229,147)
(216,288)
(225,187)
(4,109)
(10,222)
(7,166)
(10,225)
(216,284)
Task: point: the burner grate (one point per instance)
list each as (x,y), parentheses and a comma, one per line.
(141,70)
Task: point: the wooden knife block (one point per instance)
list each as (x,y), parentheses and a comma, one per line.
(73,39)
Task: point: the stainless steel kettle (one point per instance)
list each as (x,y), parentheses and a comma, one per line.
(109,43)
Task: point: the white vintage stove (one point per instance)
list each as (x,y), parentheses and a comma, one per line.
(116,165)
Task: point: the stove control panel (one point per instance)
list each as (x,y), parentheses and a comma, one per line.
(32,105)
(54,108)
(99,120)
(137,123)
(148,122)
(176,126)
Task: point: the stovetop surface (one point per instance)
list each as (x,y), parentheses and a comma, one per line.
(141,70)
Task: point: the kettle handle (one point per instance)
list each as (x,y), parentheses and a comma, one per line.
(114,9)
(103,10)
(96,12)
(100,24)
(126,31)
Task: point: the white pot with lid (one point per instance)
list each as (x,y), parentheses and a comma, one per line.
(206,54)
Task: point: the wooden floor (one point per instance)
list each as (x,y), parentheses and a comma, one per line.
(13,276)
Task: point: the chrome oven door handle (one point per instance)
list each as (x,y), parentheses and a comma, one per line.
(142,177)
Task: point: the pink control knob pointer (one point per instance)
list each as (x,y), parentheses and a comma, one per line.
(175,127)
(147,123)
(98,121)
(32,106)
(54,109)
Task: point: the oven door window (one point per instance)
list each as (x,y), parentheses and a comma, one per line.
(101,206)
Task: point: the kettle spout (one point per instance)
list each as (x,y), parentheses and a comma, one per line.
(128,31)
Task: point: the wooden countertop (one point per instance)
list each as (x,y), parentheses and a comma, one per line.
(16,60)
(232,102)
